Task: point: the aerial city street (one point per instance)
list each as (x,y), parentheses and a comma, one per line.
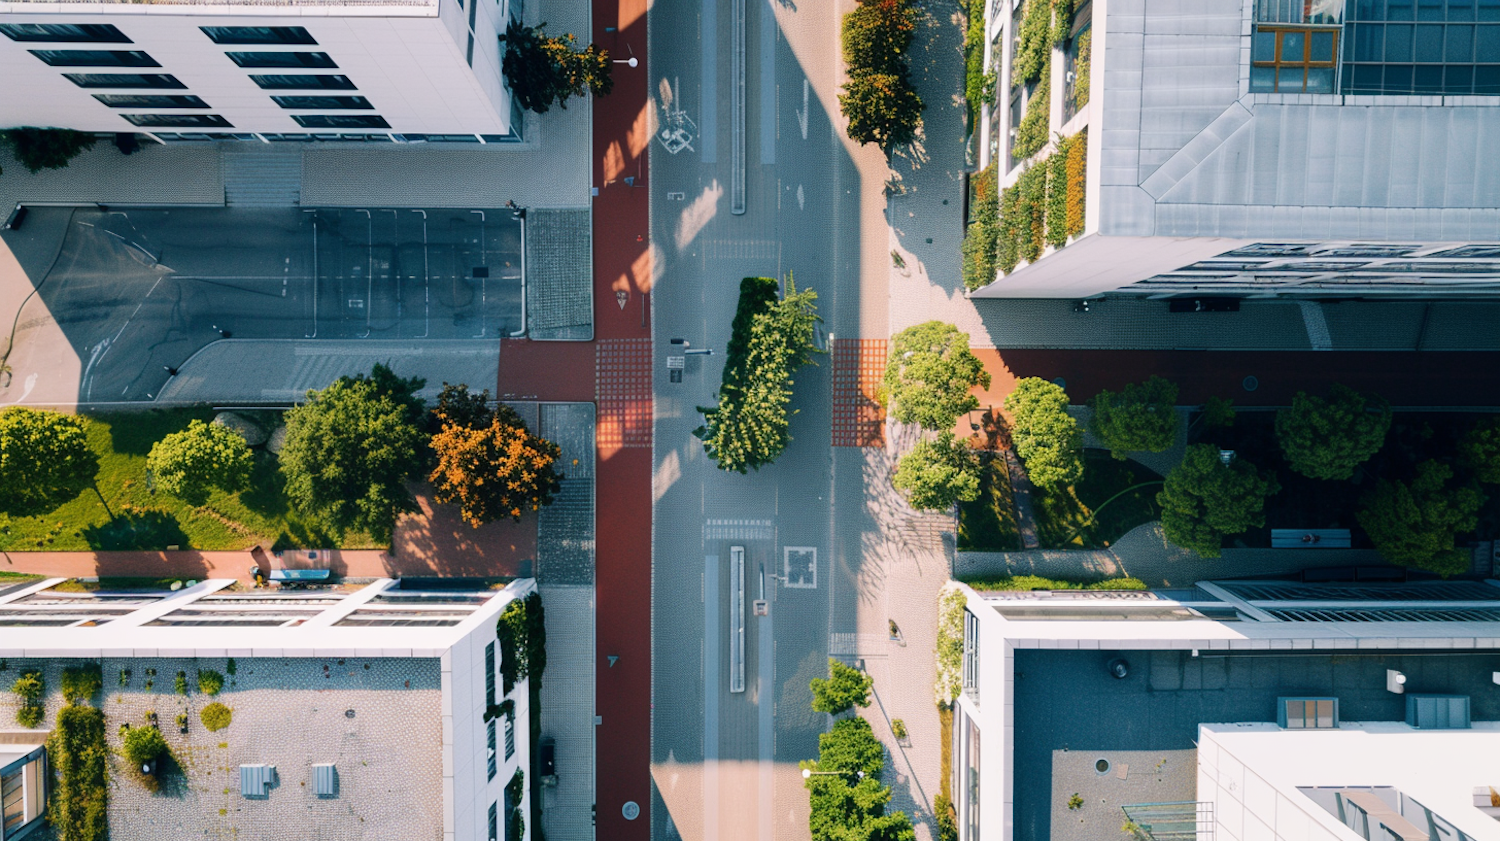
(856,420)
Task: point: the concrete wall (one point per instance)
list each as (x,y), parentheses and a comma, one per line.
(408,61)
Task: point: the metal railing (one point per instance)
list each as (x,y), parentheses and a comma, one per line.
(1182,821)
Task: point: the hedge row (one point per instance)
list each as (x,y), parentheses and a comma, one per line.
(1046,204)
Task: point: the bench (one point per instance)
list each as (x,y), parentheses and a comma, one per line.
(299,575)
(1310,538)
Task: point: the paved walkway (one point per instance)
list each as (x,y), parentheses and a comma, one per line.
(184,564)
(1144,553)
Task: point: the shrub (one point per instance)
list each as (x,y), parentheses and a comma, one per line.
(1203,499)
(1142,417)
(1037,582)
(947,818)
(80,683)
(898,729)
(180,684)
(1075,802)
(936,475)
(1415,524)
(144,744)
(210,682)
(842,804)
(929,375)
(46,148)
(216,716)
(522,634)
(1046,437)
(1218,413)
(769,340)
(231,667)
(45,460)
(844,689)
(78,753)
(950,644)
(191,463)
(1326,438)
(30,688)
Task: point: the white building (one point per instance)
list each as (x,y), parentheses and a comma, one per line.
(359,711)
(1261,148)
(1230,711)
(375,70)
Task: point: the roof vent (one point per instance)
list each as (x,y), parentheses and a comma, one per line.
(325,780)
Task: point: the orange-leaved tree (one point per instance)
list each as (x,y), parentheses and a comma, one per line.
(488,463)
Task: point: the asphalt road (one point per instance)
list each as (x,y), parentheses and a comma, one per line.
(724,761)
(139,291)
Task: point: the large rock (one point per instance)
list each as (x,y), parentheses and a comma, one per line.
(253,435)
(277,440)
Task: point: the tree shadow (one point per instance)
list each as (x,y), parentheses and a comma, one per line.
(266,494)
(134,432)
(138,530)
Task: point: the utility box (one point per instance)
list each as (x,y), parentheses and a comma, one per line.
(1438,712)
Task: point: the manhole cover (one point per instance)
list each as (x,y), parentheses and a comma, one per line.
(1101,766)
(1251,383)
(348,713)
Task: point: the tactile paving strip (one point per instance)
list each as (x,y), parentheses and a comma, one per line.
(622,377)
(858,417)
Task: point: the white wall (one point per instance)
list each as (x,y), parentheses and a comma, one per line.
(409,61)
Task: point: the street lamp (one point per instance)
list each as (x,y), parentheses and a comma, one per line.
(631,62)
(807,773)
(689,350)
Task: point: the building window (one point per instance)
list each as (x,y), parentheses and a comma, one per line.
(125,80)
(1293,59)
(13,794)
(972,805)
(281,59)
(340,121)
(72,33)
(146,100)
(510,734)
(489,650)
(283,82)
(971,655)
(258,34)
(95,58)
(494,822)
(178,120)
(489,728)
(1429,47)
(328,102)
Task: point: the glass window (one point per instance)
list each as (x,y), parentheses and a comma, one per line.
(258,34)
(124,80)
(294,82)
(95,58)
(73,33)
(489,729)
(178,120)
(489,650)
(510,734)
(1454,39)
(146,100)
(971,654)
(1295,52)
(494,822)
(325,102)
(340,121)
(281,59)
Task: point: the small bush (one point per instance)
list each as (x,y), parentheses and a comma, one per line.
(845,688)
(78,753)
(30,717)
(898,729)
(144,744)
(210,682)
(947,818)
(30,687)
(1075,802)
(80,683)
(179,684)
(46,148)
(216,716)
(231,667)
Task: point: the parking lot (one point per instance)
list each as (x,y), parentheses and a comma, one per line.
(138,291)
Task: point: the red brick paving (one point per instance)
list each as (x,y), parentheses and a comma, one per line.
(186,564)
(435,540)
(531,368)
(622,376)
(858,417)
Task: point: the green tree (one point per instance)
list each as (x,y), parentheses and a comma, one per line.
(45,148)
(929,375)
(877,36)
(937,474)
(844,689)
(1202,499)
(45,460)
(1045,436)
(1218,413)
(143,744)
(488,463)
(543,70)
(845,791)
(350,450)
(190,463)
(770,339)
(1142,417)
(882,108)
(1479,451)
(1415,524)
(1326,438)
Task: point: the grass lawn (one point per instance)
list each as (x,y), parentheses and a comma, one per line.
(1076,517)
(130,516)
(988,524)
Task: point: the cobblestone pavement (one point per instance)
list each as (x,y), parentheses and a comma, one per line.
(565,540)
(559,279)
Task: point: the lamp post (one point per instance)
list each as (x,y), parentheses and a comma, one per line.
(807,773)
(689,350)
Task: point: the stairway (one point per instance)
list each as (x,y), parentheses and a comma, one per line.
(263,175)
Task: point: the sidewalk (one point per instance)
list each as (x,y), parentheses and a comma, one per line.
(183,564)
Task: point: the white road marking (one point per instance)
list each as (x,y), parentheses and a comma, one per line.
(803,114)
(801,199)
